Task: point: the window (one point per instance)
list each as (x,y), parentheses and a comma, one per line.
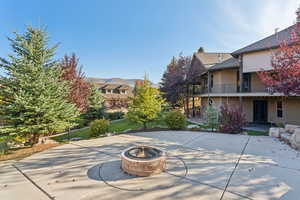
(279,109)
(247,82)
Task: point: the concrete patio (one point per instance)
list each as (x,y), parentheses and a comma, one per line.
(200,166)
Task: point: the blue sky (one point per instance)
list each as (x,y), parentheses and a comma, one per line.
(128,38)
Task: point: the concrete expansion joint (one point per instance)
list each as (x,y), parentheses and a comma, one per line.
(34,183)
(236,165)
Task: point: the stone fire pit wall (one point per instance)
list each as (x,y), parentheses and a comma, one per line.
(143,167)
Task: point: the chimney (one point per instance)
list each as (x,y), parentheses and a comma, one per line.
(298,14)
(276,33)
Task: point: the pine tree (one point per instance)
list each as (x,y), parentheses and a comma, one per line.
(35,97)
(96,108)
(212,117)
(146,104)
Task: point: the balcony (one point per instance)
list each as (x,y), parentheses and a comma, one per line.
(229,88)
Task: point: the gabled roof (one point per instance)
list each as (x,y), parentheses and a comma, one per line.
(270,42)
(227,64)
(210,59)
(113,86)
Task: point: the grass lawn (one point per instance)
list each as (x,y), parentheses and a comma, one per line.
(115,127)
(125,124)
(257,133)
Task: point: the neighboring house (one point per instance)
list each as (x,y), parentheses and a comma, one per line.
(116,91)
(235,81)
(116,96)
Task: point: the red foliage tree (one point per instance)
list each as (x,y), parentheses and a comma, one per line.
(285,74)
(173,83)
(232,119)
(80,88)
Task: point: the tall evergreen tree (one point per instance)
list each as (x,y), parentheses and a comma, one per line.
(35,96)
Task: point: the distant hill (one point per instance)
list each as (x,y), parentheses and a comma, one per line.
(120,81)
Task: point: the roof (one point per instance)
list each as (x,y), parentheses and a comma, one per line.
(270,42)
(210,59)
(227,64)
(113,86)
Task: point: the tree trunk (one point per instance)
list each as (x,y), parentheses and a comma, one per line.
(145,125)
(34,139)
(187,101)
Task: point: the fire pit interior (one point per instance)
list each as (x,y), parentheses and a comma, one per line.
(143,161)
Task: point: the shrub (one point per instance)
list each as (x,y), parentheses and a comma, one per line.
(99,127)
(93,113)
(232,119)
(212,118)
(114,115)
(175,120)
(81,122)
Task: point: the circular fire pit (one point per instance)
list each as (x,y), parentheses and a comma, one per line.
(143,161)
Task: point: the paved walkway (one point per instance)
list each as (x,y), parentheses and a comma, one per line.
(200,166)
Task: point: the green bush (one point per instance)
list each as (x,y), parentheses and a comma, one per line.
(114,115)
(99,127)
(175,120)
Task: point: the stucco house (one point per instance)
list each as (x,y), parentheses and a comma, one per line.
(235,81)
(116,96)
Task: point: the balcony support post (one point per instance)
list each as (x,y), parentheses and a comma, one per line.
(193,99)
(208,84)
(241,76)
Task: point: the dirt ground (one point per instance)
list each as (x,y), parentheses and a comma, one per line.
(20,153)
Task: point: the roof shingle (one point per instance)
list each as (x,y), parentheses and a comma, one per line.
(270,42)
(227,64)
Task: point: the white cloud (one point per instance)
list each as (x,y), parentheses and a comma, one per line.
(252,20)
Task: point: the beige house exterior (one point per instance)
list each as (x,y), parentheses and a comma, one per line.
(235,81)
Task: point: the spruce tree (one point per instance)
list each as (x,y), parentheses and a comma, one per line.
(146,104)
(35,98)
(212,117)
(96,108)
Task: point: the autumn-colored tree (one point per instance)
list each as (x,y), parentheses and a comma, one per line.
(80,88)
(173,83)
(146,105)
(285,74)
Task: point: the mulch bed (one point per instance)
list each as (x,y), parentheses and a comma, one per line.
(17,154)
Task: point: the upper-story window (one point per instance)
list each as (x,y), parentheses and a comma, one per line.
(109,91)
(103,91)
(279,109)
(247,82)
(123,91)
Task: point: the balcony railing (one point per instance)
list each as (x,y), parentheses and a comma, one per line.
(229,88)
